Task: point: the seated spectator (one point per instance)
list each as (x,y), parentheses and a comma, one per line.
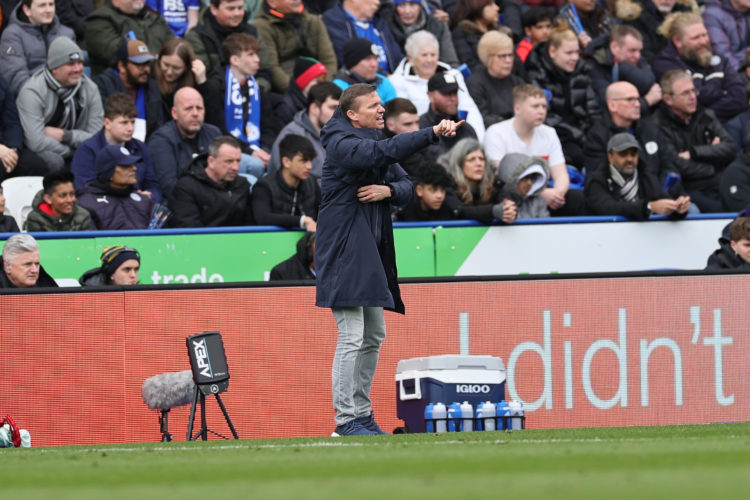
(596,21)
(308,72)
(59,107)
(288,31)
(322,102)
(728,26)
(55,207)
(23,47)
(15,160)
(119,124)
(442,90)
(210,193)
(180,15)
(360,18)
(112,198)
(618,58)
(419,66)
(526,133)
(177,142)
(237,104)
(431,187)
(401,117)
(408,16)
(177,67)
(301,265)
(717,83)
(73,13)
(133,77)
(472,19)
(289,197)
(117,20)
(7,222)
(361,66)
(734,185)
(20,266)
(120,266)
(738,127)
(492,86)
(537,26)
(734,246)
(703,147)
(556,66)
(524,177)
(477,188)
(625,187)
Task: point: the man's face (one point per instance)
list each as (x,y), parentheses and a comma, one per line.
(683,101)
(129,6)
(566,55)
(532,111)
(286,7)
(325,111)
(625,162)
(247,62)
(127,273)
(69,74)
(584,5)
(137,74)
(229,14)
(224,167)
(742,248)
(367,112)
(40,12)
(23,272)
(367,68)
(403,123)
(299,166)
(123,177)
(625,103)
(540,31)
(188,113)
(430,197)
(62,199)
(694,44)
(408,12)
(120,128)
(444,104)
(628,50)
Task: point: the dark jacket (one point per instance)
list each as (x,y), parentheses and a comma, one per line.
(8,224)
(40,220)
(354,254)
(466,37)
(44,279)
(597,23)
(728,29)
(276,203)
(11,132)
(109,83)
(72,14)
(115,209)
(296,267)
(287,105)
(734,185)
(737,128)
(340,30)
(171,152)
(646,18)
(706,161)
(426,22)
(198,201)
(724,257)
(493,96)
(94,277)
(443,144)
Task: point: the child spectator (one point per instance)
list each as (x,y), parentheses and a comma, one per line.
(55,207)
(120,266)
(537,25)
(525,177)
(431,185)
(734,251)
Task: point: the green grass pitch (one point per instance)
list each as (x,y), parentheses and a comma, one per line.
(684,462)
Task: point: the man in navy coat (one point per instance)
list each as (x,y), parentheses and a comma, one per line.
(354,253)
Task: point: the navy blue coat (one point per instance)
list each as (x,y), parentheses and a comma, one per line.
(355,257)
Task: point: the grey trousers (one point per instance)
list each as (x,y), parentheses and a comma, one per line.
(361,331)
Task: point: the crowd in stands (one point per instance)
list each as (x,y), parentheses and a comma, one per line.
(201,114)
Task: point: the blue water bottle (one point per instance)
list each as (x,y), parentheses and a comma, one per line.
(454,417)
(429,422)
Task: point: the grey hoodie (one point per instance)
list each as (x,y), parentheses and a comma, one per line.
(516,166)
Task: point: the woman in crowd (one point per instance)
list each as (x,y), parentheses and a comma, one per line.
(472,19)
(176,66)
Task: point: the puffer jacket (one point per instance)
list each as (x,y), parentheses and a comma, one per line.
(39,220)
(728,29)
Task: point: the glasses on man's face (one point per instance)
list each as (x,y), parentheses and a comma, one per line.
(686,93)
(629,100)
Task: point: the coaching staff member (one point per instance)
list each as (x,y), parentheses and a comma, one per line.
(354,253)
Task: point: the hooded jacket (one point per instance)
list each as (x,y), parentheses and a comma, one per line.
(296,267)
(728,29)
(300,125)
(94,277)
(40,220)
(516,166)
(354,254)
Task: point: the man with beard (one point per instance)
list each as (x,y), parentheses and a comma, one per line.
(442,89)
(716,82)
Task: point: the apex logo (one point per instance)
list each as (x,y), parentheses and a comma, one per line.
(201,357)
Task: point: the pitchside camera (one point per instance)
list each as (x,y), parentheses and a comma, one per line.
(208,362)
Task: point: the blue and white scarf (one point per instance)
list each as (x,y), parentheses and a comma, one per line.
(248,131)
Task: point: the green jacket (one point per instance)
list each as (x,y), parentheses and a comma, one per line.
(38,221)
(285,43)
(107,28)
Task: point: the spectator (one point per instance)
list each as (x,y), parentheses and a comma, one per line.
(719,87)
(289,197)
(177,142)
(115,21)
(120,266)
(55,207)
(322,102)
(15,160)
(177,67)
(401,117)
(728,26)
(537,26)
(408,16)
(20,264)
(492,86)
(703,147)
(73,13)
(308,72)
(419,66)
(288,32)
(734,184)
(734,246)
(626,187)
(7,222)
(119,123)
(210,193)
(360,18)
(301,265)
(112,198)
(180,15)
(431,202)
(23,47)
(472,19)
(361,66)
(59,107)
(738,127)
(524,177)
(442,90)
(596,21)
(133,77)
(477,188)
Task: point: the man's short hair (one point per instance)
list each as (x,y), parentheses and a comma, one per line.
(27,3)
(292,145)
(621,31)
(18,244)
(740,229)
(216,3)
(55,178)
(536,15)
(524,91)
(395,107)
(322,91)
(119,104)
(236,43)
(675,24)
(671,76)
(433,175)
(350,95)
(218,142)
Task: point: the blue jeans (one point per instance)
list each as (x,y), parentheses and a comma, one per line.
(361,331)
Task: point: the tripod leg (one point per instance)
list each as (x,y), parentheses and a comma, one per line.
(226,416)
(164,421)
(204,425)
(192,415)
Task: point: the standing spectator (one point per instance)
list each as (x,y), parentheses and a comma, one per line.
(408,16)
(20,266)
(120,266)
(14,158)
(728,26)
(7,222)
(471,20)
(537,26)
(177,67)
(361,66)
(180,15)
(55,207)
